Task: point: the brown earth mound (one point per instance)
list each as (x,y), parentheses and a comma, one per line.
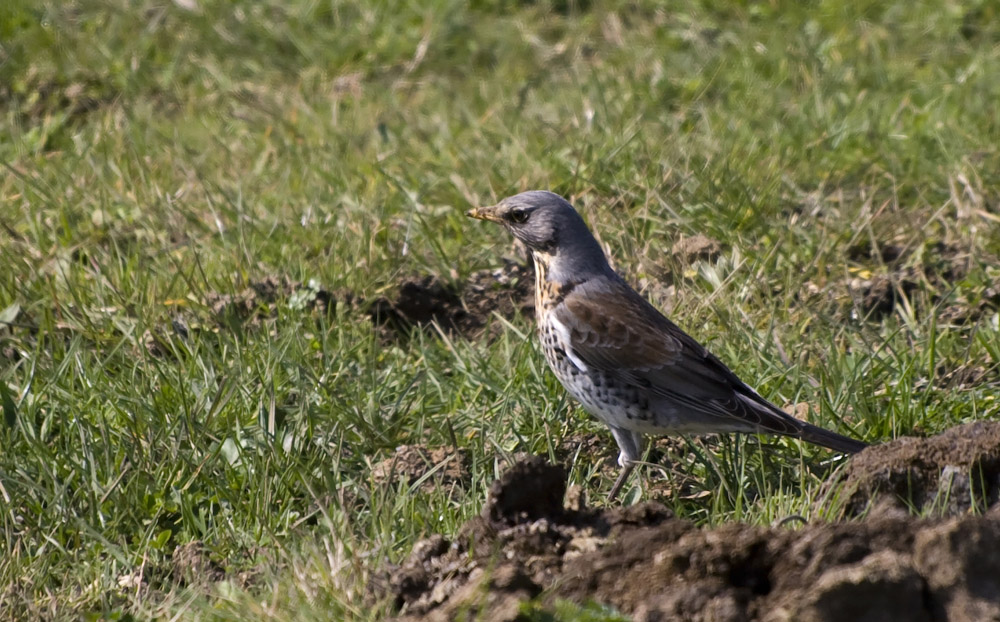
(948,474)
(890,274)
(251,303)
(416,301)
(430,467)
(426,300)
(528,545)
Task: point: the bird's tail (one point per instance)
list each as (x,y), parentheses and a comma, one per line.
(830,440)
(776,421)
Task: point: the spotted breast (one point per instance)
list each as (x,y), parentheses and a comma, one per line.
(615,403)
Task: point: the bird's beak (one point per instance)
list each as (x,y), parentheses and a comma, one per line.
(485,213)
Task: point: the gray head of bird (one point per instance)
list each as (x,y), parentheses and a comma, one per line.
(551,229)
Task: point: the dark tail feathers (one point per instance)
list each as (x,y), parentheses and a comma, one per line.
(772,419)
(830,440)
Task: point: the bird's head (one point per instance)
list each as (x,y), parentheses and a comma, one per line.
(542,220)
(551,229)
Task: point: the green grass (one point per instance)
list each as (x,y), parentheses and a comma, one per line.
(153,156)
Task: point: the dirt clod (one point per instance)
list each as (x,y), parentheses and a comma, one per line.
(883,586)
(415,463)
(527,544)
(506,291)
(967,375)
(959,562)
(877,296)
(922,277)
(420,300)
(192,565)
(531,489)
(427,300)
(696,247)
(252,303)
(948,474)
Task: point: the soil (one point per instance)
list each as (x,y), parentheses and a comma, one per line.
(410,464)
(535,542)
(421,301)
(426,301)
(877,296)
(252,303)
(74,100)
(192,565)
(951,474)
(894,274)
(695,248)
(663,479)
(416,303)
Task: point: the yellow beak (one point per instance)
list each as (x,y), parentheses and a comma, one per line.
(485,213)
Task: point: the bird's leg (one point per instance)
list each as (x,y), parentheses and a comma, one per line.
(630,443)
(622,478)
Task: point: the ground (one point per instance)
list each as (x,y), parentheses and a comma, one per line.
(533,542)
(529,544)
(252,351)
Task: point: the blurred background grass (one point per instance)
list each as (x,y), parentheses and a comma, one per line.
(159,155)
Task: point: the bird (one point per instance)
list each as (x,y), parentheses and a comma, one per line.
(615,353)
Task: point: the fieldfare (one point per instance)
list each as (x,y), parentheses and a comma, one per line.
(628,365)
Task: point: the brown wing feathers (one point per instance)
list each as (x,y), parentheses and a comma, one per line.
(614,328)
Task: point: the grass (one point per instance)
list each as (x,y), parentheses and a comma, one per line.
(157,154)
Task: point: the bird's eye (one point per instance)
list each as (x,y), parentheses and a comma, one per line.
(518,216)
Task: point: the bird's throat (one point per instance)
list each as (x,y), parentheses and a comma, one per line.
(541,271)
(548,292)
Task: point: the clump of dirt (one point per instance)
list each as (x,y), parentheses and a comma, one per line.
(507,291)
(511,551)
(415,463)
(418,301)
(528,545)
(588,444)
(249,307)
(421,301)
(696,247)
(41,99)
(889,253)
(893,273)
(529,490)
(159,342)
(192,565)
(877,296)
(949,474)
(427,300)
(252,303)
(966,376)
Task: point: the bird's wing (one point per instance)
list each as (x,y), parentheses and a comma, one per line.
(611,327)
